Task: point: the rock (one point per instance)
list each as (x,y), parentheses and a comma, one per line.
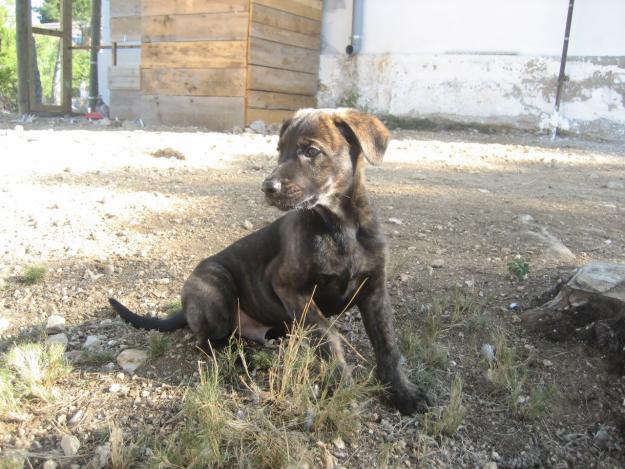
(259,127)
(55,324)
(70,445)
(50,464)
(488,352)
(437,263)
(4,323)
(89,275)
(77,417)
(547,362)
(109,269)
(490,465)
(395,221)
(339,443)
(101,457)
(91,342)
(601,439)
(615,185)
(131,359)
(236,130)
(525,218)
(115,388)
(248,225)
(60,339)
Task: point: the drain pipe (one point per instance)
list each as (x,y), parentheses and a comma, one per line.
(357,20)
(561,75)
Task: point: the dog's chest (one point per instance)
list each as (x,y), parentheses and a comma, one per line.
(339,257)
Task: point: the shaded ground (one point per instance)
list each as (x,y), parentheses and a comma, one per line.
(106,218)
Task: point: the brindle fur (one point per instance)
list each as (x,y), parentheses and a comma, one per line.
(329,242)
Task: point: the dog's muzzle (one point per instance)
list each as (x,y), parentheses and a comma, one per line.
(271,186)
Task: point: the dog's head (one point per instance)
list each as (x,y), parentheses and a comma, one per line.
(321,154)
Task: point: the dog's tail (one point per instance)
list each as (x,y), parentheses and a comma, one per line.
(142,322)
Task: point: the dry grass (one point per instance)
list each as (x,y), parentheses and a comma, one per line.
(232,418)
(157,344)
(447,419)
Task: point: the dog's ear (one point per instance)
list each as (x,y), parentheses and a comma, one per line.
(285,125)
(367,131)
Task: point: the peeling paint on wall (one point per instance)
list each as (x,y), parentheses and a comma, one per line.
(482,62)
(507,90)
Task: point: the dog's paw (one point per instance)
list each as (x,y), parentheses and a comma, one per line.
(409,398)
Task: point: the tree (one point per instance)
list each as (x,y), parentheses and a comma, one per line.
(8,61)
(50,11)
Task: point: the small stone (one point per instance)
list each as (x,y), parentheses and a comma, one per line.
(513,306)
(70,445)
(339,443)
(237,130)
(50,464)
(488,351)
(102,455)
(490,465)
(615,185)
(248,225)
(404,278)
(109,269)
(91,342)
(547,362)
(526,219)
(601,439)
(437,263)
(77,417)
(4,323)
(55,324)
(395,221)
(259,127)
(60,339)
(494,455)
(115,388)
(131,359)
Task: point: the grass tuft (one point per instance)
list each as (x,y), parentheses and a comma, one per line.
(234,419)
(34,274)
(174,307)
(519,269)
(448,419)
(157,345)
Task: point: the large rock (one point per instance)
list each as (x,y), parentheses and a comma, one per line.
(131,359)
(589,304)
(60,339)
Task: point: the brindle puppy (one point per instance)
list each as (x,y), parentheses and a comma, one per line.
(329,242)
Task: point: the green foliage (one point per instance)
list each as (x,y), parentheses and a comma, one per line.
(519,269)
(34,274)
(8,62)
(50,11)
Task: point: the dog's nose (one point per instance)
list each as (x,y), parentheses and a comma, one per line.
(271,186)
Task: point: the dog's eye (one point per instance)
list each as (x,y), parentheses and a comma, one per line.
(311,152)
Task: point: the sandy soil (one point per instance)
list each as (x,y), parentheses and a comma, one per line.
(105,217)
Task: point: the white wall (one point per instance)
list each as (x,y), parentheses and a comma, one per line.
(486,61)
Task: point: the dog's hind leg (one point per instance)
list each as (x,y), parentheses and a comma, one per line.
(209,301)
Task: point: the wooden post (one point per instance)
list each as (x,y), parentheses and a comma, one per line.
(66,40)
(22,16)
(96,16)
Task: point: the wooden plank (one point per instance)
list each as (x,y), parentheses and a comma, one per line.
(199,27)
(285,36)
(208,54)
(193,81)
(270,116)
(191,7)
(125,8)
(125,105)
(125,28)
(281,19)
(215,113)
(124,78)
(297,8)
(47,32)
(273,54)
(283,101)
(273,79)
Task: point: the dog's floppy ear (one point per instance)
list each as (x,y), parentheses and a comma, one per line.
(369,133)
(285,125)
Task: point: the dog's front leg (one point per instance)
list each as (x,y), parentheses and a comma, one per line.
(377,314)
(303,308)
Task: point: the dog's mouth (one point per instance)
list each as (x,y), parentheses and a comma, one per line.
(292,201)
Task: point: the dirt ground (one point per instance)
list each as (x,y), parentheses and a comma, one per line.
(106,218)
